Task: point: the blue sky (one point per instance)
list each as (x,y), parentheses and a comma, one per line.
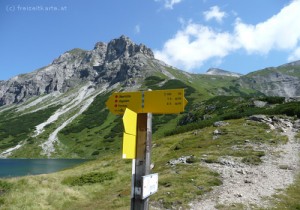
(192,35)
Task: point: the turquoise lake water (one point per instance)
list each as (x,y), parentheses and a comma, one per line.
(24,167)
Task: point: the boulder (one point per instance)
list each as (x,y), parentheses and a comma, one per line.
(220,123)
(259,104)
(297,124)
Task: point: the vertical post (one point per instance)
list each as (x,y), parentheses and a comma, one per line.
(148,152)
(148,143)
(142,162)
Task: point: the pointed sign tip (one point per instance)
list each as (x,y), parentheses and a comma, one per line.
(185,102)
(130,121)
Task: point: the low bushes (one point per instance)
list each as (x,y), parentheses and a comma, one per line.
(90,178)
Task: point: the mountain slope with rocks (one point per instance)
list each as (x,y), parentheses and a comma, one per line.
(275,81)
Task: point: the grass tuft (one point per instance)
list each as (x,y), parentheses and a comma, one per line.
(90,178)
(252,160)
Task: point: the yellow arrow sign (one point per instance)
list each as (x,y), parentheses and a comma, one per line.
(130,122)
(129,136)
(129,146)
(156,102)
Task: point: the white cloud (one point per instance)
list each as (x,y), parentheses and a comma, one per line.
(137,29)
(214,13)
(295,55)
(280,32)
(168,4)
(195,44)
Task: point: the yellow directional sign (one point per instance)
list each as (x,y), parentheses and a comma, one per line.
(164,101)
(156,102)
(118,102)
(129,136)
(129,146)
(130,121)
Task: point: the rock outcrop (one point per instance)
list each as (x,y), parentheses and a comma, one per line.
(281,81)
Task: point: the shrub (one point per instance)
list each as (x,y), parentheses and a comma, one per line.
(151,81)
(95,153)
(252,160)
(4,187)
(273,99)
(191,159)
(90,178)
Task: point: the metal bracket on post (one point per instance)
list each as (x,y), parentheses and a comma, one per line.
(138,191)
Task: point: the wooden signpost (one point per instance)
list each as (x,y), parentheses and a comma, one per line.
(137,109)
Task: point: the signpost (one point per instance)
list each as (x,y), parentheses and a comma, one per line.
(137,109)
(156,102)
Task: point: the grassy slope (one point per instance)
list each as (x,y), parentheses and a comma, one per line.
(17,128)
(178,184)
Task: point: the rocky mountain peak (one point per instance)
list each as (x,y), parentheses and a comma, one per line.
(123,47)
(121,60)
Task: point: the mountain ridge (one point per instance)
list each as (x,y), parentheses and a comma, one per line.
(294,63)
(121,60)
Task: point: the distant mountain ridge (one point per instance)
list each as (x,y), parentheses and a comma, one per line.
(295,63)
(216,71)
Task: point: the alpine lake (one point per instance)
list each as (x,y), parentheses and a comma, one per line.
(24,167)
